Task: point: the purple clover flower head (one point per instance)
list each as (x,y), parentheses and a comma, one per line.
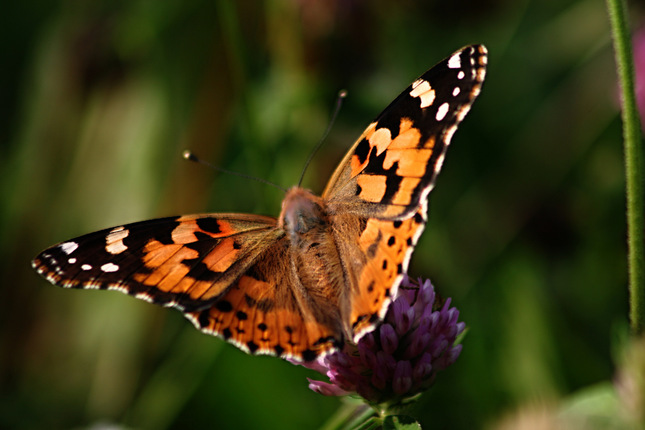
(402,356)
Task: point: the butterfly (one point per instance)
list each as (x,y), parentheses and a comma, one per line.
(323,272)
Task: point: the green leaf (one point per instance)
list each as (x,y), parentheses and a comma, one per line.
(400,422)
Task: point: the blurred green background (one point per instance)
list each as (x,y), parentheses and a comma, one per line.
(99,99)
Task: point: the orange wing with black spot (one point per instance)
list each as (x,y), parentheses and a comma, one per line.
(393,165)
(231,275)
(266,311)
(386,176)
(184,262)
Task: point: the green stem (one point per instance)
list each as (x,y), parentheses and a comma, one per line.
(633,161)
(352,414)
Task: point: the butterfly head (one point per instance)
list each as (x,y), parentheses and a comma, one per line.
(302,212)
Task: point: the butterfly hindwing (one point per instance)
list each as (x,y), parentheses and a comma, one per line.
(387,246)
(266,311)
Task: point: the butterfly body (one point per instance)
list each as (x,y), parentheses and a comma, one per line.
(324,271)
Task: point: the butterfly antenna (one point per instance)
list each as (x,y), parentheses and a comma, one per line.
(188,155)
(339,102)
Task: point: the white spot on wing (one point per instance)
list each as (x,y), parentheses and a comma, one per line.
(449,133)
(145,297)
(437,167)
(86,267)
(114,240)
(442,111)
(118,287)
(461,74)
(456,91)
(422,89)
(483,60)
(71,260)
(462,112)
(68,247)
(454,62)
(109,267)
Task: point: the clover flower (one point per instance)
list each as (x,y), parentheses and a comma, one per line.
(402,356)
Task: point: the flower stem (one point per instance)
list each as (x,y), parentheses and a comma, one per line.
(633,161)
(352,414)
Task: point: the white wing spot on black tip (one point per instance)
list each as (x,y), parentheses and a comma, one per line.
(114,240)
(456,91)
(449,133)
(455,61)
(461,74)
(437,167)
(68,247)
(442,111)
(71,260)
(422,89)
(109,267)
(461,114)
(86,267)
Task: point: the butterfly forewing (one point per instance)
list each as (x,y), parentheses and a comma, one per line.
(185,262)
(393,165)
(322,273)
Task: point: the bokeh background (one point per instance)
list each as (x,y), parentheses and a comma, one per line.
(99,98)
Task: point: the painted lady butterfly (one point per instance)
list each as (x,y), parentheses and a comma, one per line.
(324,271)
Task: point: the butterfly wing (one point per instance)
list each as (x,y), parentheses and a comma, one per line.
(375,259)
(184,262)
(269,311)
(393,165)
(377,197)
(230,274)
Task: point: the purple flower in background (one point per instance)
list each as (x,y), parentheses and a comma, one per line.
(402,356)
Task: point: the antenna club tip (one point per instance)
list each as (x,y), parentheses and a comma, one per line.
(342,94)
(188,155)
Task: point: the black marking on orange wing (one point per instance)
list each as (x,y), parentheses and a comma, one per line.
(363,150)
(211,225)
(393,180)
(432,106)
(87,263)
